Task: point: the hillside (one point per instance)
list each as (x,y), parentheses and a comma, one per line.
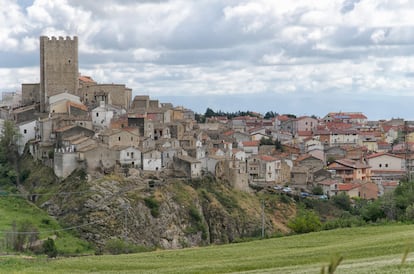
(16,211)
(372,249)
(156,210)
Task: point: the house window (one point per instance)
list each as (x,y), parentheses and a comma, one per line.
(380,165)
(97,114)
(119,138)
(25,131)
(132,139)
(132,155)
(386,165)
(127,153)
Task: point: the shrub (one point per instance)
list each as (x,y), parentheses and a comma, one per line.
(49,248)
(317,190)
(409,212)
(22,236)
(153,205)
(344,221)
(305,221)
(285,199)
(197,223)
(24,175)
(342,201)
(194,214)
(372,212)
(117,246)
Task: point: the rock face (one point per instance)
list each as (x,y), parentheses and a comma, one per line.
(162,212)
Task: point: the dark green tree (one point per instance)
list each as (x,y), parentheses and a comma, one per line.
(373,211)
(342,201)
(209,113)
(278,145)
(317,190)
(266,141)
(9,154)
(270,114)
(49,248)
(200,118)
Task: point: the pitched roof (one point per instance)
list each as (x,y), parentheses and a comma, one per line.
(348,163)
(327,182)
(267,158)
(305,133)
(76,105)
(375,155)
(228,133)
(347,186)
(338,125)
(86,79)
(251,143)
(283,118)
(62,129)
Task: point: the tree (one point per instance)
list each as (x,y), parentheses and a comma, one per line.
(270,114)
(342,201)
(22,236)
(373,211)
(8,142)
(317,190)
(278,145)
(199,118)
(209,113)
(266,141)
(290,115)
(305,221)
(8,154)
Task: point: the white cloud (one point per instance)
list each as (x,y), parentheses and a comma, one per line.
(222,47)
(378,36)
(142,55)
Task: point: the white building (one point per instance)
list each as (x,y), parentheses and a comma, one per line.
(102,115)
(27,131)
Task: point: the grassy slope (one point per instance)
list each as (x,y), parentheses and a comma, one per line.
(16,209)
(376,249)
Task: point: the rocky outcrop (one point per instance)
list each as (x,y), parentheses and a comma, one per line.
(161,212)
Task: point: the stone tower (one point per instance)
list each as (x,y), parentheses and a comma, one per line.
(59,69)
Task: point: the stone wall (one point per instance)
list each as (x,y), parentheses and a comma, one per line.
(64,163)
(30,93)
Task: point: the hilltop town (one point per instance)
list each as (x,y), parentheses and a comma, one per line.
(68,121)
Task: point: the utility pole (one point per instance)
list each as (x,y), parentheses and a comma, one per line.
(407,152)
(263,219)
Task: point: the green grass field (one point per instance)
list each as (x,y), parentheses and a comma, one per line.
(374,249)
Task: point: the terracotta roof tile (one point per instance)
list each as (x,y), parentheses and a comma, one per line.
(347,186)
(251,143)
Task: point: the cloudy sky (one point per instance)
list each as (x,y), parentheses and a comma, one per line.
(302,57)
